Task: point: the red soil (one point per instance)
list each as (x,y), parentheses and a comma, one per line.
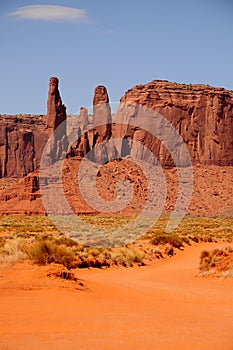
(164,305)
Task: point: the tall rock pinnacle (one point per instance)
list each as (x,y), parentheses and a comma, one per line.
(56,111)
(83,118)
(102,114)
(56,116)
(102,125)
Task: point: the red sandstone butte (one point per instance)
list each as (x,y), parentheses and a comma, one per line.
(203,116)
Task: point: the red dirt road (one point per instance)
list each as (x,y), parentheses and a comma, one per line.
(163,306)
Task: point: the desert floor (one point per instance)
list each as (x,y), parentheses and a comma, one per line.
(164,306)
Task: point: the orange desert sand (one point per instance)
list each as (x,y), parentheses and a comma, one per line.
(164,305)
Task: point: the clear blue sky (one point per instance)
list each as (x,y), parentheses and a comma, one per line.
(116,43)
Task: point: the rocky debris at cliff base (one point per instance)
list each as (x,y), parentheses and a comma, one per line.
(212,191)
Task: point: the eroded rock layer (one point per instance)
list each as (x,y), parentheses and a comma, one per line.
(201,114)
(22,139)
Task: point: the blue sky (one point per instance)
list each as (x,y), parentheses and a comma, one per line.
(115,43)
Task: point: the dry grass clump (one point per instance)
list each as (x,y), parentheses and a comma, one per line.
(102,257)
(46,252)
(217,262)
(92,257)
(2,242)
(12,250)
(167,238)
(169,250)
(67,241)
(128,257)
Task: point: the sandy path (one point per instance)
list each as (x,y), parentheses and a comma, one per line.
(162,306)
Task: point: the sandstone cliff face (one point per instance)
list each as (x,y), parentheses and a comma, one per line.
(3,151)
(22,139)
(202,115)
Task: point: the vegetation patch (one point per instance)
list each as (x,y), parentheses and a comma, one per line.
(218,262)
(12,250)
(197,229)
(128,257)
(37,239)
(170,238)
(48,249)
(26,225)
(46,252)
